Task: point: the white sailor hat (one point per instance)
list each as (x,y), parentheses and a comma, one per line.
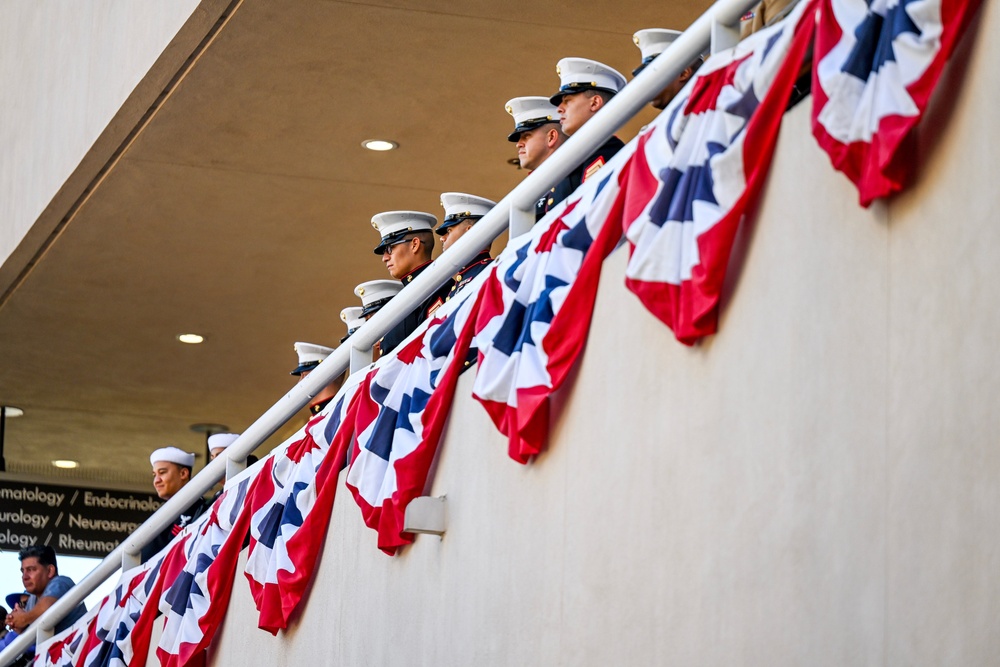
(652,42)
(376,293)
(172,455)
(459,206)
(310,356)
(221,440)
(393,226)
(530,113)
(353,317)
(579,74)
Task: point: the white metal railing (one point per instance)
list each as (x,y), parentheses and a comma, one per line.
(717,27)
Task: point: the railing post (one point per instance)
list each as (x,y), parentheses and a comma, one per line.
(234,468)
(724,36)
(521,220)
(360,358)
(130,560)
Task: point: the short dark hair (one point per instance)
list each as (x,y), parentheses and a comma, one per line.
(605,95)
(45,554)
(426,239)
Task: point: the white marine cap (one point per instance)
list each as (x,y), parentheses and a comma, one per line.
(376,293)
(459,206)
(652,42)
(393,226)
(310,356)
(221,440)
(530,113)
(172,455)
(353,317)
(579,74)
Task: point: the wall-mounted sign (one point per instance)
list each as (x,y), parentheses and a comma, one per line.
(77,521)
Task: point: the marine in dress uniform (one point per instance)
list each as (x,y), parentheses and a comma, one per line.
(576,106)
(373,294)
(406,244)
(310,356)
(652,42)
(461,211)
(352,319)
(537,133)
(172,468)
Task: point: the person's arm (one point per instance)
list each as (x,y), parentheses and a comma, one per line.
(21,619)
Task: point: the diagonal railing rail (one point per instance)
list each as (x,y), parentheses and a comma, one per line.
(717,27)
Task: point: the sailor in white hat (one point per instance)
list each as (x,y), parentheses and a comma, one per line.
(172,469)
(461,211)
(218,442)
(652,42)
(310,356)
(587,86)
(406,245)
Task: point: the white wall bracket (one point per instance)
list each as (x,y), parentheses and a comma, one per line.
(426,515)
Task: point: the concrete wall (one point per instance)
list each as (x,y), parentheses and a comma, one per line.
(815,485)
(70,75)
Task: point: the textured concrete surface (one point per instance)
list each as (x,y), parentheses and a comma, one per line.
(67,69)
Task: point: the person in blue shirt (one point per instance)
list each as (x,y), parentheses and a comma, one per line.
(44,585)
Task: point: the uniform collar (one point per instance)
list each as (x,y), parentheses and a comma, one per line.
(317,407)
(481,258)
(408,278)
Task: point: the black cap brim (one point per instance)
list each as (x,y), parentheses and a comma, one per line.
(515,136)
(451,222)
(645,62)
(374,306)
(573,89)
(391,239)
(302,368)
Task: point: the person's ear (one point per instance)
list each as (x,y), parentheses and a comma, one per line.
(596,102)
(185,473)
(686,74)
(552,137)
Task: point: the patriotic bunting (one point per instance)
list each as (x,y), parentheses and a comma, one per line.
(290,501)
(700,167)
(196,602)
(69,647)
(400,417)
(537,306)
(876,64)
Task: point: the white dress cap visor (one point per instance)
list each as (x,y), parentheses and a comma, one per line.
(654,41)
(579,74)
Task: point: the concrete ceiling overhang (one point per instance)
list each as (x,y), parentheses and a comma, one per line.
(240,209)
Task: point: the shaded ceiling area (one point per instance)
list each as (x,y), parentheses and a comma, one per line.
(241,210)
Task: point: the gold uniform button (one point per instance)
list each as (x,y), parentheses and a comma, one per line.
(458,276)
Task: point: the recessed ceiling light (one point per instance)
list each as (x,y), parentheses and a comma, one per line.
(379,144)
(65,463)
(191,338)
